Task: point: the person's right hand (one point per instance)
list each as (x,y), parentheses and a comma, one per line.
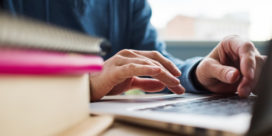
(233,66)
(120,73)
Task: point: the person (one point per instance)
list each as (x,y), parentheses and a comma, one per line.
(232,66)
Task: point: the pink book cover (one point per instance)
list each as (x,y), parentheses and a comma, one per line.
(17,61)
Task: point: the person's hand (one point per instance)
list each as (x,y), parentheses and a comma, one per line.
(121,73)
(232,66)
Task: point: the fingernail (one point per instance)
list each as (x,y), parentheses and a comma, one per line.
(178,74)
(230,74)
(251,73)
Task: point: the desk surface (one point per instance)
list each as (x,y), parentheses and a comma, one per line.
(119,128)
(126,129)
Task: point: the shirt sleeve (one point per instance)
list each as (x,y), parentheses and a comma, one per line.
(144,37)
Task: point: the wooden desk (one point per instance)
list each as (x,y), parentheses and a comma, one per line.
(126,129)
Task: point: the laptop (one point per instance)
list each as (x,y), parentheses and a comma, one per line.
(198,114)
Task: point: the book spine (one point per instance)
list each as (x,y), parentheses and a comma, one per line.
(15,61)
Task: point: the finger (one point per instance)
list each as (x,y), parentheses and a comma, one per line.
(170,66)
(121,60)
(172,83)
(245,87)
(249,85)
(124,86)
(225,74)
(148,84)
(167,78)
(248,62)
(130,70)
(177,89)
(246,52)
(133,69)
(128,56)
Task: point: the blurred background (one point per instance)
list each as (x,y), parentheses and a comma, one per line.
(193,27)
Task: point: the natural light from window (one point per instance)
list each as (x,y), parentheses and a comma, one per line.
(211,20)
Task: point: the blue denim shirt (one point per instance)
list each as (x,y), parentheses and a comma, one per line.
(125,23)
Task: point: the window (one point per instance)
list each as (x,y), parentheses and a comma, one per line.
(212,20)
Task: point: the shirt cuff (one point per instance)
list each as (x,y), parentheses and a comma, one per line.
(186,79)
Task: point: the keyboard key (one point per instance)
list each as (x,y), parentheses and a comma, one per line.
(217,105)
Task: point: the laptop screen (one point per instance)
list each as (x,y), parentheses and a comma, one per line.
(261,123)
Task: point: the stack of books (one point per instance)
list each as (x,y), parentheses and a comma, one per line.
(44,76)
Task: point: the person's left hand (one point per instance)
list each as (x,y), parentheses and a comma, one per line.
(233,65)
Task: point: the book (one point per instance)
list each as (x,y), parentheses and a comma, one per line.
(22,32)
(48,105)
(42,105)
(44,79)
(19,61)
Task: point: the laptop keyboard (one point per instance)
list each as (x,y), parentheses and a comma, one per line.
(217,105)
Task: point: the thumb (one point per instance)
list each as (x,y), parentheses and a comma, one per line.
(226,74)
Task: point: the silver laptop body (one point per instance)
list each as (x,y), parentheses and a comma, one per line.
(198,114)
